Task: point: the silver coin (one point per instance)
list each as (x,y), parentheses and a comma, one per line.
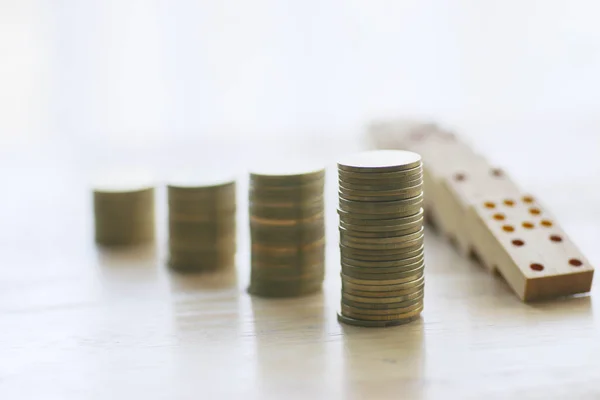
(376,324)
(377,265)
(382,300)
(379,255)
(383,279)
(403,315)
(347,238)
(379,176)
(353,216)
(386,285)
(351,219)
(377,186)
(376,196)
(359,272)
(393,247)
(286,174)
(411,299)
(380,207)
(350,310)
(380,231)
(380,161)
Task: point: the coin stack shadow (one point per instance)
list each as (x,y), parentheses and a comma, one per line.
(287,230)
(202,226)
(124,217)
(381,238)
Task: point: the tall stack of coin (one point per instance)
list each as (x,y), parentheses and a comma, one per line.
(381,238)
(202,225)
(123,213)
(287,230)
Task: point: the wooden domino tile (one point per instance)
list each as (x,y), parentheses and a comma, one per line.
(530,250)
(485,212)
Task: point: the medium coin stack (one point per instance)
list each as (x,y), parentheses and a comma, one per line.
(123,212)
(381,238)
(202,225)
(287,229)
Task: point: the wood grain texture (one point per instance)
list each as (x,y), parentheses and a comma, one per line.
(77,322)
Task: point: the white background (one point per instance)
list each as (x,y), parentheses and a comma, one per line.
(520,78)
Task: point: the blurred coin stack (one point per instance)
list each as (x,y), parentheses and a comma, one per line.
(381,238)
(287,230)
(202,225)
(123,212)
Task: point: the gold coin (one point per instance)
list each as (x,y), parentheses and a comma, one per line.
(388,285)
(413,299)
(348,310)
(368,272)
(279,275)
(390,317)
(351,215)
(382,301)
(380,161)
(405,175)
(289,269)
(388,231)
(261,248)
(303,191)
(381,295)
(375,196)
(223,191)
(381,207)
(380,255)
(391,248)
(353,219)
(267,212)
(376,324)
(290,203)
(311,255)
(378,186)
(287,234)
(398,273)
(286,174)
(381,240)
(377,265)
(287,222)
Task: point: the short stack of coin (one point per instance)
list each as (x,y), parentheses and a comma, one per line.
(123,213)
(202,225)
(287,230)
(381,238)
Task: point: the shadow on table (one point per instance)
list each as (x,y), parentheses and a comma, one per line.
(128,263)
(291,343)
(214,280)
(384,362)
(566,307)
(204,303)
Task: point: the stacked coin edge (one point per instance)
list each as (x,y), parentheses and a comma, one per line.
(381,240)
(124,217)
(202,226)
(287,233)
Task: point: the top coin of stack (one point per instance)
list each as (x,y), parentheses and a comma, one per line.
(287,231)
(381,237)
(124,209)
(202,224)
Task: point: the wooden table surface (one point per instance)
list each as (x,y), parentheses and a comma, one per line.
(80,323)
